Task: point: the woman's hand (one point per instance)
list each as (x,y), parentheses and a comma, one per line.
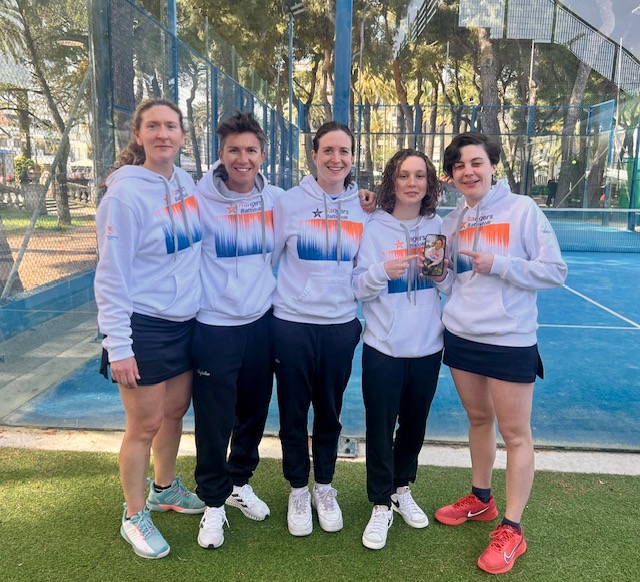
(440,278)
(482,262)
(396,268)
(125,372)
(367,200)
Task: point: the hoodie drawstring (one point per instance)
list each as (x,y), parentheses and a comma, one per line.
(264,229)
(412,271)
(476,235)
(185,219)
(339,233)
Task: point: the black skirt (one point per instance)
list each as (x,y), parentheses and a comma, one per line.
(162,348)
(501,362)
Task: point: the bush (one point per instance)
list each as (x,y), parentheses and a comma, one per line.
(21,165)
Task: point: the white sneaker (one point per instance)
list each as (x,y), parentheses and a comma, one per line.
(248,502)
(211,534)
(375,534)
(404,504)
(329,513)
(299,518)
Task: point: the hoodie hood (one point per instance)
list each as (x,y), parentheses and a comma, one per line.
(215,185)
(311,186)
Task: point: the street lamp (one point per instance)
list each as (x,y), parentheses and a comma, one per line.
(295,8)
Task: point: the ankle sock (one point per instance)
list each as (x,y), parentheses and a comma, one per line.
(482,494)
(159,489)
(514,524)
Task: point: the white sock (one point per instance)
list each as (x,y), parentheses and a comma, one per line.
(322,487)
(299,490)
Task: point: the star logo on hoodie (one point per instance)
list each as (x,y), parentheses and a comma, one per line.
(232,209)
(399,244)
(317,213)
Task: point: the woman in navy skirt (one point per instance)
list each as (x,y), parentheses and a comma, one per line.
(147,289)
(502,251)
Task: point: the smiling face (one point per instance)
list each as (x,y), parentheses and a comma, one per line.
(161,136)
(333,161)
(242,156)
(410,188)
(472,174)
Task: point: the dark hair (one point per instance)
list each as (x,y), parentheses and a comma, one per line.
(328,127)
(387,192)
(452,153)
(241,122)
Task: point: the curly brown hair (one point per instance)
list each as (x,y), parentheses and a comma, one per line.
(386,197)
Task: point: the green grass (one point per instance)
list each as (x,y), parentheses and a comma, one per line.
(60,514)
(16,222)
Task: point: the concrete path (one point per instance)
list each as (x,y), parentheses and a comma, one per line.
(37,359)
(432,454)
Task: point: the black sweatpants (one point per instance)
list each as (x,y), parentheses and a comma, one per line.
(312,366)
(395,390)
(232,386)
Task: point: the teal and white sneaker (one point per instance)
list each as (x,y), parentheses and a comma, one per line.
(143,536)
(176,498)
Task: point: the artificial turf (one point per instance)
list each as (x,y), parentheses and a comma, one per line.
(60,515)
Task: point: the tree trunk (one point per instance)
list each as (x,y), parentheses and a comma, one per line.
(568,170)
(192,125)
(61,188)
(568,176)
(431,123)
(22,99)
(489,85)
(6,264)
(64,215)
(324,85)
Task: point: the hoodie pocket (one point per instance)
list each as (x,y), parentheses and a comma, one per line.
(325,292)
(415,332)
(187,290)
(473,310)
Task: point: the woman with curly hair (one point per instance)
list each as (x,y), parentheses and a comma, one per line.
(402,338)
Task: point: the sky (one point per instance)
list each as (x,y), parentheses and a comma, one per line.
(627,25)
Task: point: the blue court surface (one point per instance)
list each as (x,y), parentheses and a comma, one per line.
(589,341)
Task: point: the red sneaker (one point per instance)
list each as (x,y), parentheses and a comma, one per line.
(467,508)
(506,545)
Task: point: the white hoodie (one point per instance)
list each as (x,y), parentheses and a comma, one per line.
(402,316)
(237,276)
(149,253)
(500,308)
(317,239)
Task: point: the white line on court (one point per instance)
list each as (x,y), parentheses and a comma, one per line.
(607,327)
(629,321)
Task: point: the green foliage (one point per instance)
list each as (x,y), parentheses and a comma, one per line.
(22,164)
(61,514)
